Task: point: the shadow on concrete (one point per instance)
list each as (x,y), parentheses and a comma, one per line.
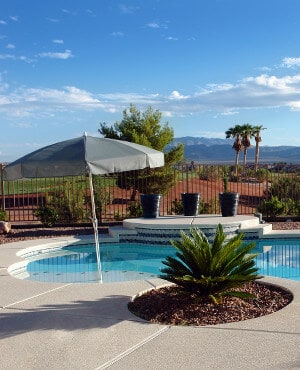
(79,315)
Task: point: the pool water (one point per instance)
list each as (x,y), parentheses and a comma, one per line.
(119,262)
(125,262)
(281,258)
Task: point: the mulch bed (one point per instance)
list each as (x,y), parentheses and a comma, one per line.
(20,234)
(172,306)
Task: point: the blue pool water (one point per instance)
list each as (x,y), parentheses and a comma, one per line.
(119,262)
(281,258)
(125,262)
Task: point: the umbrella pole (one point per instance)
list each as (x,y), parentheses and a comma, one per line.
(95,226)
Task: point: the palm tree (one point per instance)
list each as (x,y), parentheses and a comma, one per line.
(236,134)
(211,270)
(247,134)
(256,132)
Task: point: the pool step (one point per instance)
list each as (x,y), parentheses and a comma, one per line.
(257,232)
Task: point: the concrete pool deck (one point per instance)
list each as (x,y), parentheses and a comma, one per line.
(88,326)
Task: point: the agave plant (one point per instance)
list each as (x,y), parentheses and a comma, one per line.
(211,270)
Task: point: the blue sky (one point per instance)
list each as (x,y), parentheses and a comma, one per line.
(207,65)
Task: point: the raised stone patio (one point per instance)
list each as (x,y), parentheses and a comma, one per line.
(161,229)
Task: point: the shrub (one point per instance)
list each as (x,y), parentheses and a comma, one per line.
(203,207)
(209,173)
(48,215)
(285,187)
(272,208)
(211,270)
(297,208)
(134,210)
(177,207)
(2,215)
(290,206)
(260,174)
(63,206)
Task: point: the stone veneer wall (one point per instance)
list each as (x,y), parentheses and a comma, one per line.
(164,235)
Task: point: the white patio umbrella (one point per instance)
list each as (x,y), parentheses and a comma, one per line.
(84,155)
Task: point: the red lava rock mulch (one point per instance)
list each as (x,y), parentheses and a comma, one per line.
(172,306)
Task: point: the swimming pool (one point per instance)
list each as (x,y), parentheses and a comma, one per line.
(280,258)
(136,261)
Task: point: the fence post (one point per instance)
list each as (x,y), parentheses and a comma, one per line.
(267,182)
(2,188)
(187,177)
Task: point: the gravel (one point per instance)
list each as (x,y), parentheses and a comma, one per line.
(19,234)
(173,306)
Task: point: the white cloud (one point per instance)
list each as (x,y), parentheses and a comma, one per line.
(14,57)
(127,9)
(7,56)
(58,41)
(66,11)
(218,87)
(209,134)
(294,105)
(3,22)
(53,20)
(23,58)
(229,112)
(283,85)
(175,95)
(260,91)
(14,18)
(153,25)
(117,34)
(4,86)
(32,101)
(264,69)
(158,25)
(79,96)
(291,62)
(171,38)
(23,125)
(90,12)
(10,46)
(57,55)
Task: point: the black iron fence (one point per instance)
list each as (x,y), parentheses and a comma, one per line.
(24,201)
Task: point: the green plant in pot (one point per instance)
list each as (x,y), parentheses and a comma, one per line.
(228,200)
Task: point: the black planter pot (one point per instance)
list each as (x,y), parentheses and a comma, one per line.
(150,205)
(229,203)
(190,203)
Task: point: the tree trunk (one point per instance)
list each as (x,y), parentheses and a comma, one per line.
(256,155)
(245,158)
(236,163)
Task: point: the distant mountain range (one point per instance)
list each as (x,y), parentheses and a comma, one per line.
(213,150)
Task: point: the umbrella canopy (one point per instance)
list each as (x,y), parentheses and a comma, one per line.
(84,155)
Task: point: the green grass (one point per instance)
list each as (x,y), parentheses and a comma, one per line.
(35,186)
